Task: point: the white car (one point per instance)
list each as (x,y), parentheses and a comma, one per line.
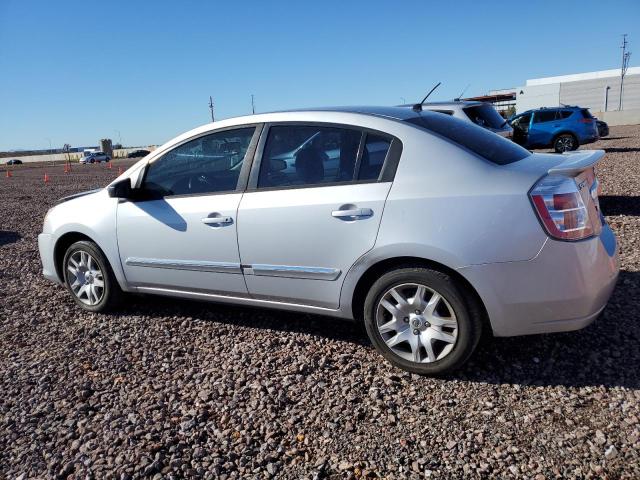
(426,228)
(95,157)
(480,113)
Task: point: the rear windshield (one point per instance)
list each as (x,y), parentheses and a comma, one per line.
(586,113)
(488,145)
(485,116)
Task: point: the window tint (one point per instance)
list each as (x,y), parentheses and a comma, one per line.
(544,116)
(484,143)
(308,155)
(207,164)
(373,156)
(566,114)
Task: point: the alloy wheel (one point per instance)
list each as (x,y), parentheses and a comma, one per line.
(565,144)
(416,323)
(85,277)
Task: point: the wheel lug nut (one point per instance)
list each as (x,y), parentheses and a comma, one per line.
(405,319)
(417,312)
(416,332)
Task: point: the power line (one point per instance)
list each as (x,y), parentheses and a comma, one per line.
(623,67)
(211,107)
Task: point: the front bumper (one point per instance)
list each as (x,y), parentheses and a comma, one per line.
(45,247)
(565,287)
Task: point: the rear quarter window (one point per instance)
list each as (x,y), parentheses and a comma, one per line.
(482,142)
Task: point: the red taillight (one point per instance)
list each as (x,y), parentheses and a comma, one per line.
(559,205)
(586,120)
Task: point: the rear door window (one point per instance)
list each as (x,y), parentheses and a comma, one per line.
(298,155)
(480,141)
(544,116)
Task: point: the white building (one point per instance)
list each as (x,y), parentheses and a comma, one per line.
(598,91)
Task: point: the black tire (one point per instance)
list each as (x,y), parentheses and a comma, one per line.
(466,310)
(565,142)
(112,294)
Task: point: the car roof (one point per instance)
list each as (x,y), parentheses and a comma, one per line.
(397,112)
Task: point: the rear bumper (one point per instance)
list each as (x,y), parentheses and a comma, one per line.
(45,247)
(565,287)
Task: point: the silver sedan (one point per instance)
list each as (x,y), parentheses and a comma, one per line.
(426,228)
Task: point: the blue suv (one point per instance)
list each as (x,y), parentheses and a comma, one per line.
(563,128)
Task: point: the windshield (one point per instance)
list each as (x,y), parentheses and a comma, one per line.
(485,116)
(488,145)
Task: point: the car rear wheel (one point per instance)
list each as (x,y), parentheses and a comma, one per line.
(565,143)
(89,278)
(418,319)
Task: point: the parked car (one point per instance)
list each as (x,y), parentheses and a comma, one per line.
(95,157)
(603,128)
(138,153)
(454,230)
(562,128)
(480,113)
(14,161)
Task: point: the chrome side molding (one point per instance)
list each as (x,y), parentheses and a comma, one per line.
(311,273)
(193,265)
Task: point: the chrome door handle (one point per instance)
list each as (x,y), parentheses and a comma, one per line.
(217,220)
(355,213)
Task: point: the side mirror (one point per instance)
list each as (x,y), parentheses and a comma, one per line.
(120,189)
(277,165)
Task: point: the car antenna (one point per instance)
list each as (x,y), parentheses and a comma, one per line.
(461,93)
(418,106)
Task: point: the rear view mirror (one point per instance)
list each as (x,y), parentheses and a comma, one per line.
(120,189)
(277,165)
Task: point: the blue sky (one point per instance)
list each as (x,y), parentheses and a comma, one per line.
(77,71)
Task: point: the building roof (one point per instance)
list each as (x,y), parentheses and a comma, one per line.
(581,76)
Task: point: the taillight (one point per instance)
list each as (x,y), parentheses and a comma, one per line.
(559,205)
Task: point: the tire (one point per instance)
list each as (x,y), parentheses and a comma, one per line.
(565,142)
(445,356)
(96,299)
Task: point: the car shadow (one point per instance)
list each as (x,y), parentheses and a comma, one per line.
(163,212)
(606,353)
(621,149)
(620,205)
(7,237)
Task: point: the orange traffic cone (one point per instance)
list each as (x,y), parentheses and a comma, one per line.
(46,178)
(119,170)
(66,168)
(109,166)
(9,174)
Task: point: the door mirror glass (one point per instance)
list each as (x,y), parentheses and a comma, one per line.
(120,189)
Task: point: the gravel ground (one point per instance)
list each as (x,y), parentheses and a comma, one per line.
(179,389)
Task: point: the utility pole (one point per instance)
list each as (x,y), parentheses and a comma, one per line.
(211,107)
(253,105)
(623,67)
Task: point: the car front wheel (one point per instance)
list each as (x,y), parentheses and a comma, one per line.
(89,278)
(420,321)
